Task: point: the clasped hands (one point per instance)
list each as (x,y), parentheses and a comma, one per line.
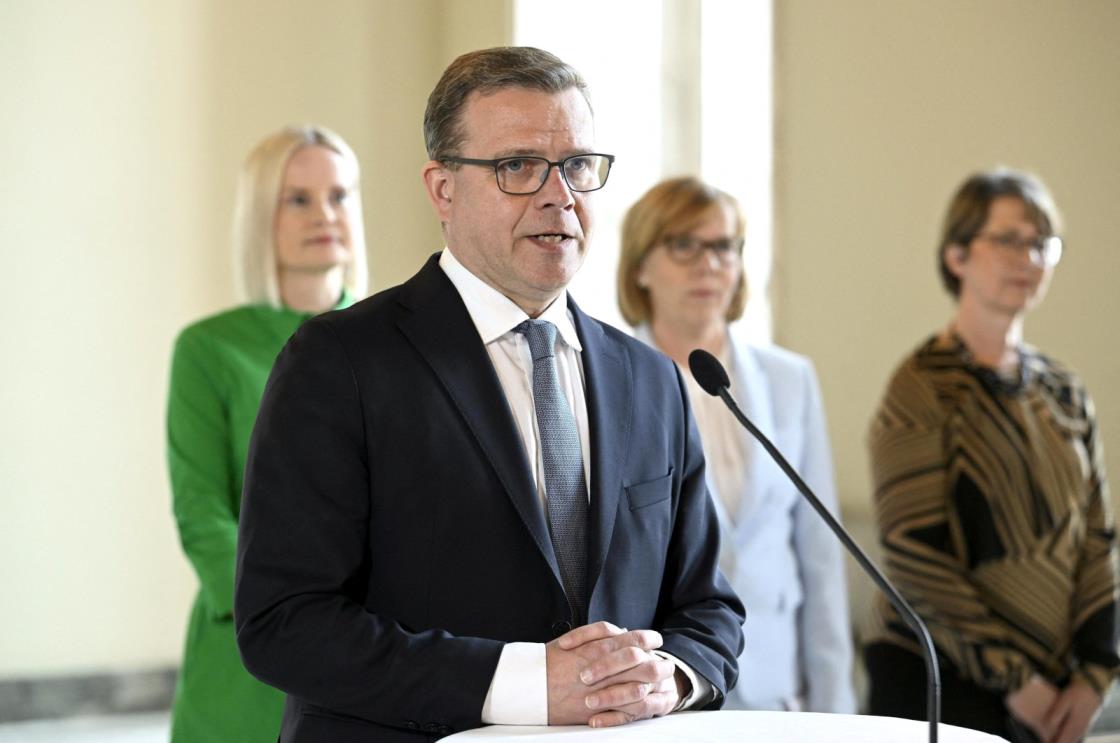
(1056,715)
(601,675)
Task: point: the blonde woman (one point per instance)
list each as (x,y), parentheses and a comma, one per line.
(681,284)
(990,492)
(300,251)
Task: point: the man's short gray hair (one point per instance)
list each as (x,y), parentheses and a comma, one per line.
(486,71)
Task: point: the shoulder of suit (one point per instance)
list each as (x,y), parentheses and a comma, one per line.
(361,313)
(640,352)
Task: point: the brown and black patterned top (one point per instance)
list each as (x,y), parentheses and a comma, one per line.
(995,519)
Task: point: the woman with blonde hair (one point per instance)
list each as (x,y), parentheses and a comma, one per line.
(990,493)
(300,251)
(681,283)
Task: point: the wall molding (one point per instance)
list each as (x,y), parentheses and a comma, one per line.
(93,694)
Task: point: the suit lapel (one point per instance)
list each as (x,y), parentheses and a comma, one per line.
(609,391)
(440,328)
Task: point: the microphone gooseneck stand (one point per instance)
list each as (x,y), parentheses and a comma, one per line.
(712,377)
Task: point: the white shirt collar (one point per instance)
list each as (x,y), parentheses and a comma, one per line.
(493,313)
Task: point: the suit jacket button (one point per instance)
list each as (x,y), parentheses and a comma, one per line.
(559,628)
(412,724)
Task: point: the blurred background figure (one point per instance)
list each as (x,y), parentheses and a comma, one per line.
(681,284)
(990,493)
(300,250)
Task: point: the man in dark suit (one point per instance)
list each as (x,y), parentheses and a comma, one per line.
(461,491)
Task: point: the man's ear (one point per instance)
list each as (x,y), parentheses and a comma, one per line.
(955,257)
(439,184)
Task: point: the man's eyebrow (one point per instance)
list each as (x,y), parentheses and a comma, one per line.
(525,152)
(518,152)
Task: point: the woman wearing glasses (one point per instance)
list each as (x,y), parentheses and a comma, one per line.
(681,283)
(990,494)
(300,251)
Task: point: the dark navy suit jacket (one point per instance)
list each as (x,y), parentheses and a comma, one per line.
(392,539)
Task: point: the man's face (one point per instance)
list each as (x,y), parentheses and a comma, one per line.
(527,247)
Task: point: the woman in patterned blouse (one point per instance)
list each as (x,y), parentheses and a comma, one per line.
(990,494)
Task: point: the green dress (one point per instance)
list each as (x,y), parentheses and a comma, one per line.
(218,373)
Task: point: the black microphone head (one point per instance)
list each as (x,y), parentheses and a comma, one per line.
(708,372)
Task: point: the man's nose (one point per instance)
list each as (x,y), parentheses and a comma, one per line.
(555,191)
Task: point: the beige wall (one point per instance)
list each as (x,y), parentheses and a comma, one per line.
(883,108)
(120,138)
(124,123)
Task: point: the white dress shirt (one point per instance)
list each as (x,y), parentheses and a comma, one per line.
(495,318)
(518,693)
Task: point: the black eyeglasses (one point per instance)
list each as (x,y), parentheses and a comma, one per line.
(1047,250)
(522,176)
(686,249)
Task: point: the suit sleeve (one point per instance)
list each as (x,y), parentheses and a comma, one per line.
(824,634)
(703,618)
(300,607)
(198,458)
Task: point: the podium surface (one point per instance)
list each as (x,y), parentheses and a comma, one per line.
(722,727)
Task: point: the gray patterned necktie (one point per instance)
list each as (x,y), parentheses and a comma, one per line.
(564,486)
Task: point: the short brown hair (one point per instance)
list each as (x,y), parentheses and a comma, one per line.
(672,207)
(486,71)
(969,207)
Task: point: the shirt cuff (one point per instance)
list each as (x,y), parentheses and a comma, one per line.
(701,688)
(518,693)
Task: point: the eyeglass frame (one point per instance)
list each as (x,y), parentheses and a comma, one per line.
(729,257)
(1011,241)
(544,178)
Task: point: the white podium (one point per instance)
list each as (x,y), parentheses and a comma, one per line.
(729,727)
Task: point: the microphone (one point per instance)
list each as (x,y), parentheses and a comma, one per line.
(712,377)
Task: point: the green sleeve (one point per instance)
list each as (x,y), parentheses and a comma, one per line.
(199,454)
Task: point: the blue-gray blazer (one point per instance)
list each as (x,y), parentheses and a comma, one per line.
(780,557)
